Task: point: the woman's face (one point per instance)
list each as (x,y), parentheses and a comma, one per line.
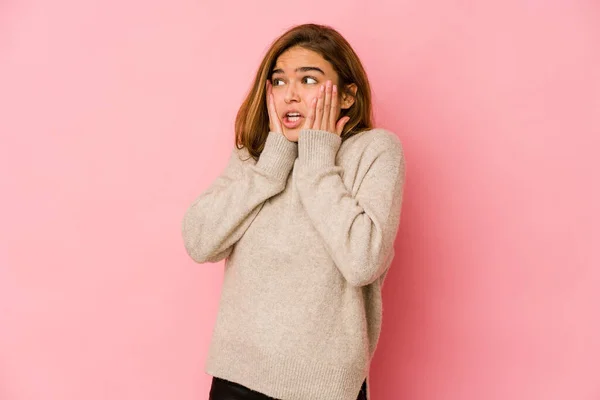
(296,78)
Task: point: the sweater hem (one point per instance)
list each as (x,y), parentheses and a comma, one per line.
(283,378)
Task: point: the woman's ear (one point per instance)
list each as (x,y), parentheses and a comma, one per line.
(347,98)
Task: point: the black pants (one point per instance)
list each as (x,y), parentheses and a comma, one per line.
(225,390)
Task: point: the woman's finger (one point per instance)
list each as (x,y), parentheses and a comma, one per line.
(274,124)
(310,118)
(268,101)
(327,109)
(333,113)
(319,110)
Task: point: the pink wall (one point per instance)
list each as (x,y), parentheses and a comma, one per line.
(114,115)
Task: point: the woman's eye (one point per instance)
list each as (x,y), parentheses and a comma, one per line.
(310,80)
(277,82)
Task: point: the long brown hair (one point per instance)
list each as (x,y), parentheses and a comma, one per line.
(252,121)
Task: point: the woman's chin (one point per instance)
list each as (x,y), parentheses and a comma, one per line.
(291,134)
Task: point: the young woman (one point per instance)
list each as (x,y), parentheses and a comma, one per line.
(305,214)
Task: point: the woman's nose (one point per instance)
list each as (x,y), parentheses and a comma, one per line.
(291,93)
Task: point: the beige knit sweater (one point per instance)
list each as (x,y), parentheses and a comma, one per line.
(308,233)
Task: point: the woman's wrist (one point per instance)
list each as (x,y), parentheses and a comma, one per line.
(317,148)
(278,155)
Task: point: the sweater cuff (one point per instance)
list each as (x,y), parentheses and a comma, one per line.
(278,156)
(317,149)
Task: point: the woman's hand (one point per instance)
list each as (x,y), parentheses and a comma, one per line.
(323,111)
(274,122)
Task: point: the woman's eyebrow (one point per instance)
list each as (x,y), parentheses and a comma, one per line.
(299,69)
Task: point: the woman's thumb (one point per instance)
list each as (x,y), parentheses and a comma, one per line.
(339,127)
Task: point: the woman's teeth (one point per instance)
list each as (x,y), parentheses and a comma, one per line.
(293,117)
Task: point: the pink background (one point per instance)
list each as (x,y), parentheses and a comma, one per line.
(115,115)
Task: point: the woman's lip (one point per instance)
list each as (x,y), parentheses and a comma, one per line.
(292,124)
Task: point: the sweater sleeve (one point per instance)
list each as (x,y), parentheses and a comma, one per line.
(358,230)
(218,218)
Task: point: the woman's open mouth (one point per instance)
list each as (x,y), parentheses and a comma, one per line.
(292,120)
